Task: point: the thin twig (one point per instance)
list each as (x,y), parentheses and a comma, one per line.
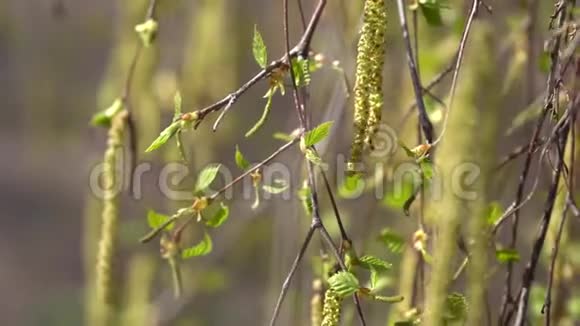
(254,168)
(426,124)
(550,86)
(519,151)
(462,44)
(300,109)
(343,233)
(288,279)
(301,49)
(529,273)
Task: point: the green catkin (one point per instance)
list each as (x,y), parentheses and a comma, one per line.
(368,97)
(316,303)
(108,243)
(331,309)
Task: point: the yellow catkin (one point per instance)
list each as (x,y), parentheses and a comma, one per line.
(331,309)
(368,97)
(108,242)
(316,303)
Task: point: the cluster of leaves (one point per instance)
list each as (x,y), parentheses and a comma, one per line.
(201,204)
(277,186)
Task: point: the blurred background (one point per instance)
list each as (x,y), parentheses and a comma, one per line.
(63,60)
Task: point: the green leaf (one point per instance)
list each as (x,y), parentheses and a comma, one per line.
(393,241)
(164,136)
(265,114)
(241,161)
(103,118)
(259,49)
(201,249)
(432,14)
(301,69)
(402,190)
(375,265)
(155,220)
(344,283)
(206,177)
(493,212)
(317,134)
(372,262)
(219,217)
(455,307)
(278,186)
(505,256)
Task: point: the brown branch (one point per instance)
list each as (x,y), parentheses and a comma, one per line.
(504,316)
(301,49)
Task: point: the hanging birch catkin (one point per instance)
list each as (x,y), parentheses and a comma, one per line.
(331,309)
(368,101)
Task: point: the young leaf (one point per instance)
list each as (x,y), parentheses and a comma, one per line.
(164,136)
(219,217)
(259,49)
(493,213)
(392,240)
(372,262)
(277,187)
(301,69)
(241,161)
(403,190)
(344,283)
(507,255)
(155,220)
(206,176)
(265,114)
(317,134)
(203,248)
(432,14)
